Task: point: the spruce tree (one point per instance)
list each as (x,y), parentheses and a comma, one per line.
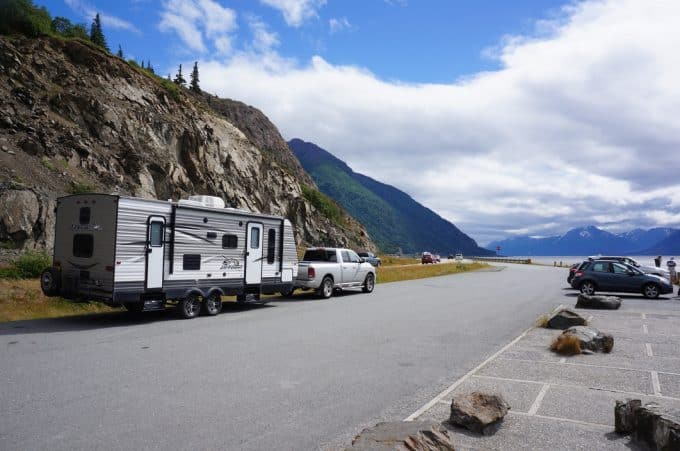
(194,79)
(120,52)
(149,67)
(143,65)
(179,78)
(97,34)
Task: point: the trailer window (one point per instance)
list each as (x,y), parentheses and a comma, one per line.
(229,241)
(84,215)
(156,237)
(254,238)
(83,245)
(191,262)
(271,245)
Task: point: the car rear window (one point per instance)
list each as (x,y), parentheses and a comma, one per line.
(319,255)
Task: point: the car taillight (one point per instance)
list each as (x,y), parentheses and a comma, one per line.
(573,270)
(311,273)
(579,274)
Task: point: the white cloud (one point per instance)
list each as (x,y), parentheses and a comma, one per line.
(337,25)
(263,39)
(88,11)
(581,123)
(199,21)
(296,12)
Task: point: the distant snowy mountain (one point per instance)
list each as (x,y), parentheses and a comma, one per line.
(591,240)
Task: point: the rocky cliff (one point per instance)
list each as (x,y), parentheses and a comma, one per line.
(74,118)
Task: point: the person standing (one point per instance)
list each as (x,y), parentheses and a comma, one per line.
(657,261)
(671,268)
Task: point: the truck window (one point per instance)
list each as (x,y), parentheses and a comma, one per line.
(83,245)
(319,255)
(271,245)
(345,257)
(353,257)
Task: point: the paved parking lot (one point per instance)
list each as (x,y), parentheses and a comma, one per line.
(568,403)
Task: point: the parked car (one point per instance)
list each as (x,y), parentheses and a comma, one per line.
(573,269)
(459,257)
(611,275)
(371,258)
(644,268)
(437,258)
(326,269)
(427,258)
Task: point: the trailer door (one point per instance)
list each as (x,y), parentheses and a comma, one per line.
(155,247)
(254,254)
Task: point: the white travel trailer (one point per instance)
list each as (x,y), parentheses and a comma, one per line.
(141,253)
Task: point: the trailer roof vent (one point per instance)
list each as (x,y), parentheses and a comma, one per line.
(208,201)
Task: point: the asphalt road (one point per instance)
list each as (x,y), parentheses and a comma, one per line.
(300,374)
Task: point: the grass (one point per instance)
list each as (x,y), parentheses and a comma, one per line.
(566,344)
(398,261)
(80,188)
(23,299)
(29,265)
(387,274)
(47,163)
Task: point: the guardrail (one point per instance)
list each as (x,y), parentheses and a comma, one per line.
(524,261)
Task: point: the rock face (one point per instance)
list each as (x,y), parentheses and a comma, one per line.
(591,339)
(478,412)
(565,319)
(74,118)
(403,435)
(651,425)
(598,302)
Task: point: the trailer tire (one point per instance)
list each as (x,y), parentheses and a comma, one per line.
(50,281)
(212,305)
(325,290)
(189,306)
(134,307)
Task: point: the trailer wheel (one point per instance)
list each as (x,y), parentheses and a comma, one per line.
(212,305)
(326,288)
(189,306)
(49,282)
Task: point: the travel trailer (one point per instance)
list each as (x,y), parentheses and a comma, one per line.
(141,253)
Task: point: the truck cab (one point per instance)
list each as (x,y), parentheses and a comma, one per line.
(327,269)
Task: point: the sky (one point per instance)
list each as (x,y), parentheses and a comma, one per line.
(507,118)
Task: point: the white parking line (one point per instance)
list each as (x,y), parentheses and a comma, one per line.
(537,402)
(645,330)
(560,419)
(643,316)
(655,383)
(649,350)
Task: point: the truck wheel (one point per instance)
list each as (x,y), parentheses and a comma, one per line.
(326,288)
(288,293)
(189,306)
(369,283)
(49,282)
(212,305)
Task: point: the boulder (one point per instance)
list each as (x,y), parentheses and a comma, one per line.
(652,426)
(477,411)
(19,211)
(591,339)
(565,319)
(598,302)
(404,435)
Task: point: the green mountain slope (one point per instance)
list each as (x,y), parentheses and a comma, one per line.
(393,219)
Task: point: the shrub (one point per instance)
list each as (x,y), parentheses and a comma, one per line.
(21,16)
(80,188)
(323,203)
(27,266)
(566,344)
(171,87)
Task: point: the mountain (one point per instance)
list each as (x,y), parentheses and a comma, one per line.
(393,219)
(75,118)
(590,241)
(670,245)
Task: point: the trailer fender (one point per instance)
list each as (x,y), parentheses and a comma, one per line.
(213,290)
(193,290)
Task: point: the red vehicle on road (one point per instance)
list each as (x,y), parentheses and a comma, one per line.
(427,258)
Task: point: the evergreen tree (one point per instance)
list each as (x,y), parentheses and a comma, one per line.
(120,52)
(169,79)
(194,79)
(179,78)
(143,65)
(97,34)
(149,67)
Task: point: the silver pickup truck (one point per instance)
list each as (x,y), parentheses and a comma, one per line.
(324,269)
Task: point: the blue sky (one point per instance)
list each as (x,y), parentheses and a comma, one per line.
(507,118)
(410,41)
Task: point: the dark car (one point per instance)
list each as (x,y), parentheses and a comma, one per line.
(427,258)
(607,275)
(573,269)
(371,258)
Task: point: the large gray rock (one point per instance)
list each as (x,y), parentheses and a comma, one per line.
(651,425)
(478,412)
(598,302)
(403,435)
(19,211)
(591,339)
(565,319)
